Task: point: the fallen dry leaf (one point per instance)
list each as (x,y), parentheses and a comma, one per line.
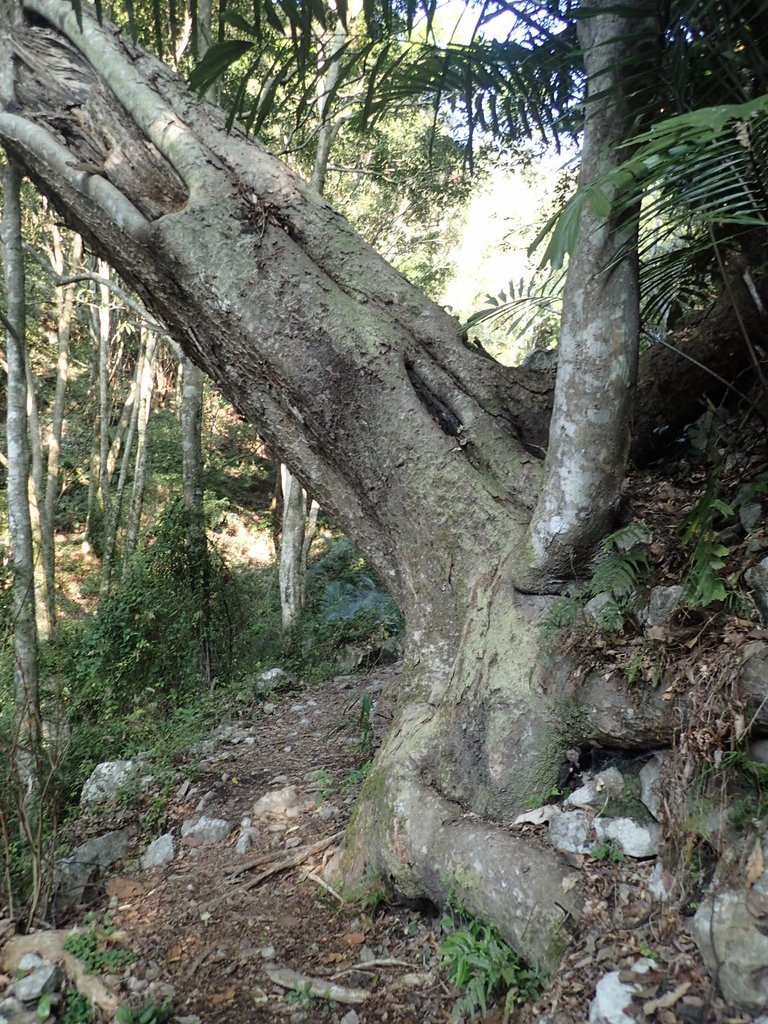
(217,998)
(755,863)
(354,938)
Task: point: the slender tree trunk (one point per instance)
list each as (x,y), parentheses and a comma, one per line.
(65,307)
(192,474)
(589,433)
(42,534)
(127,450)
(24,630)
(146,388)
(295,537)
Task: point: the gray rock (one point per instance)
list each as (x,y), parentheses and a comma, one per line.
(569,832)
(596,608)
(45,977)
(750,515)
(30,961)
(160,851)
(105,780)
(757,580)
(14,1012)
(247,834)
(350,1018)
(758,751)
(730,930)
(753,683)
(286,802)
(84,865)
(650,783)
(204,831)
(272,679)
(634,839)
(613,997)
(597,791)
(662,601)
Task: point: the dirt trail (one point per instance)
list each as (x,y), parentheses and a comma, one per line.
(202,926)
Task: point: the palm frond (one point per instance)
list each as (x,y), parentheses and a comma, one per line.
(709,163)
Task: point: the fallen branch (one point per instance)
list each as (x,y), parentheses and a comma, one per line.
(387,961)
(296,858)
(266,858)
(286,978)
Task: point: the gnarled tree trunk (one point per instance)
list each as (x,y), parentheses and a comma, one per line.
(424,450)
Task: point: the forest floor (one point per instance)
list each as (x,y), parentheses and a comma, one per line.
(209,928)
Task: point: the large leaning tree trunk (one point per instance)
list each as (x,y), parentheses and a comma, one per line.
(421,448)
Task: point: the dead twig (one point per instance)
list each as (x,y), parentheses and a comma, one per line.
(267,858)
(387,961)
(328,888)
(277,866)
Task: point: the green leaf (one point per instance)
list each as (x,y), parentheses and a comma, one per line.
(44,1007)
(216,62)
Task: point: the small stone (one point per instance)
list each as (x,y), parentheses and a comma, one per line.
(650,784)
(613,997)
(661,882)
(267,708)
(634,839)
(758,751)
(596,792)
(268,952)
(350,1018)
(662,602)
(30,961)
(597,606)
(569,832)
(204,800)
(750,515)
(203,831)
(279,802)
(42,979)
(757,579)
(278,780)
(293,842)
(159,852)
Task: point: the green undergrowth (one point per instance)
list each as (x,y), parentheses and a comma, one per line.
(483,967)
(128,678)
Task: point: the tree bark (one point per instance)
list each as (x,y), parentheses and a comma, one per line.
(27,705)
(144,399)
(599,330)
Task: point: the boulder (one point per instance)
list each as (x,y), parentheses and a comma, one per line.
(105,780)
(730,928)
(75,873)
(756,579)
